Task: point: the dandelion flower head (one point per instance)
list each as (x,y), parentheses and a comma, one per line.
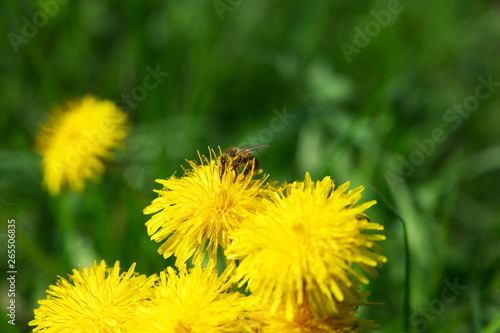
(96,299)
(306,321)
(200,208)
(74,142)
(304,244)
(191,302)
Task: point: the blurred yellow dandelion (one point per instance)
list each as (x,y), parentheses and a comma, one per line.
(74,141)
(98,299)
(304,244)
(193,302)
(200,208)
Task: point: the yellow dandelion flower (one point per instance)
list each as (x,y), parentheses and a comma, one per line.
(305,320)
(98,299)
(305,243)
(200,208)
(74,141)
(193,302)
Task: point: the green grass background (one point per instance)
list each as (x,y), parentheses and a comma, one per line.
(352,120)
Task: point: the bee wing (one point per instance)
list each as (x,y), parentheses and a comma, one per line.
(253,147)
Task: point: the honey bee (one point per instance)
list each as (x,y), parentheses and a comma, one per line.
(240,157)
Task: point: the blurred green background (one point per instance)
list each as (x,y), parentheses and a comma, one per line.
(352,90)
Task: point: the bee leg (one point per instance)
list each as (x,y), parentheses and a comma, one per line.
(362,217)
(252,166)
(222,170)
(247,170)
(236,168)
(256,166)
